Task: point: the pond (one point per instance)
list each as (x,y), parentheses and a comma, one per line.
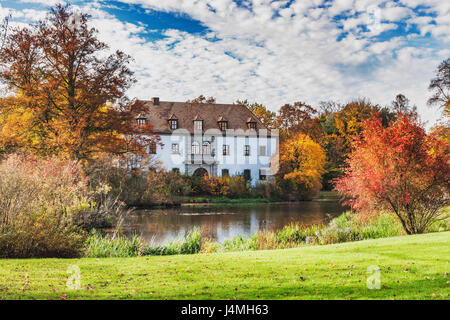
(224,222)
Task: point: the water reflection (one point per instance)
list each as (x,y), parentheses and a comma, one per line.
(162,225)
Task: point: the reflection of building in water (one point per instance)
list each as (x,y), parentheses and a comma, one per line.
(222,224)
(209,227)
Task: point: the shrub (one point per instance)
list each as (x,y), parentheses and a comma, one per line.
(231,187)
(350,227)
(238,187)
(137,187)
(39,204)
(401,169)
(267,190)
(106,212)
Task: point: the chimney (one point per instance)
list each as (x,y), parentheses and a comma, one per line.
(155,101)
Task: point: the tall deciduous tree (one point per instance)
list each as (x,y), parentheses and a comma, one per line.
(401,105)
(440,86)
(401,169)
(299,117)
(350,119)
(4,30)
(68,94)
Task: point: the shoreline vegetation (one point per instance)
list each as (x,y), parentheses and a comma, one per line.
(220,200)
(411,267)
(345,228)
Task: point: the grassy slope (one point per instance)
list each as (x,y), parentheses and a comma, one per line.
(412,267)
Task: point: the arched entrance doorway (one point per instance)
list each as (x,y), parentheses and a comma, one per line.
(200,172)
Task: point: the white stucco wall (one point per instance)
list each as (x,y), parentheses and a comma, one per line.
(236,162)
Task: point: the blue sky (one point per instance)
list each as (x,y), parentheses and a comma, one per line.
(273,52)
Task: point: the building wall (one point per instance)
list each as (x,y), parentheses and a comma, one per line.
(236,162)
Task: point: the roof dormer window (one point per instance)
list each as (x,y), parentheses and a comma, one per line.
(141,121)
(251,124)
(223,123)
(173,122)
(198,123)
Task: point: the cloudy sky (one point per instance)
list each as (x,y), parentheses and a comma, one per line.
(272,51)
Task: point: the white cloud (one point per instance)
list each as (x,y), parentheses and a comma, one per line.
(44,2)
(294,56)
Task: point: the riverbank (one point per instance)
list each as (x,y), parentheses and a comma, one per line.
(411,267)
(218,201)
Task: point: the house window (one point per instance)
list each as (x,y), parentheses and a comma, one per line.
(251,125)
(247,174)
(225,149)
(262,175)
(141,121)
(225,173)
(198,125)
(175,148)
(206,148)
(173,124)
(262,150)
(246,150)
(223,125)
(195,148)
(152,147)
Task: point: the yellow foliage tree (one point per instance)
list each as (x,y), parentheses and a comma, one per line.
(301,168)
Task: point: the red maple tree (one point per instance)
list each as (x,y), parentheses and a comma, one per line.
(399,168)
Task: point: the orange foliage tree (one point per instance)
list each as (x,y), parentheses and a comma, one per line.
(67,96)
(398,168)
(202,99)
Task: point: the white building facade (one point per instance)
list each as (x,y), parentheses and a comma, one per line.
(214,139)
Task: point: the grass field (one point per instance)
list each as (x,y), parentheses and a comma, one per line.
(411,267)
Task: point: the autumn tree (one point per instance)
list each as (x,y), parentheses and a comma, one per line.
(301,167)
(350,119)
(398,168)
(68,94)
(267,117)
(440,86)
(202,99)
(299,117)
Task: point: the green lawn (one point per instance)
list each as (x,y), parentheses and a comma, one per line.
(412,267)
